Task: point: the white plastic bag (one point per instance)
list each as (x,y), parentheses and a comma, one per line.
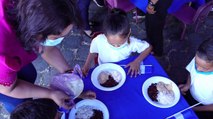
(70,83)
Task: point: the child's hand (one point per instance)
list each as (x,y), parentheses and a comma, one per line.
(184,88)
(88,95)
(85,70)
(61,99)
(134,68)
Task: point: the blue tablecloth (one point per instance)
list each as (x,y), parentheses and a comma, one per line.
(127,102)
(176,4)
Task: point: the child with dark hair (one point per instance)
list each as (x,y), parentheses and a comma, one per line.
(116,44)
(43,108)
(42,24)
(35,109)
(200,79)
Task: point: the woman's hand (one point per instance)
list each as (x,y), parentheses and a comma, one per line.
(184,88)
(150,9)
(134,68)
(61,99)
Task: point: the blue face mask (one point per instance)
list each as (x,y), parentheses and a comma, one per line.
(49,42)
(120,47)
(203,73)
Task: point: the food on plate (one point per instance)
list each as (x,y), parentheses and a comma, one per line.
(153,92)
(161,92)
(109,78)
(88,112)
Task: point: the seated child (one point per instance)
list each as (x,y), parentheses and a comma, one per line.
(200,79)
(42,108)
(116,44)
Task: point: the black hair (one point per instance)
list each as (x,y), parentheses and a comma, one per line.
(205,50)
(116,22)
(35,109)
(45,17)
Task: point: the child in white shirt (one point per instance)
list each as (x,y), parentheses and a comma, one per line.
(200,79)
(116,44)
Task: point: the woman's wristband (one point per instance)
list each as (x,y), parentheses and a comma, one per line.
(69,71)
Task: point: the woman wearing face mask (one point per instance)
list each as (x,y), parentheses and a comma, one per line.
(42,24)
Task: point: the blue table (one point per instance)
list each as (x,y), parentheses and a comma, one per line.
(127,102)
(176,4)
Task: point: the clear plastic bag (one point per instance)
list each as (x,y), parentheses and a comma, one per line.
(70,83)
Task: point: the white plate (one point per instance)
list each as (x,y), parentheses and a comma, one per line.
(107,67)
(90,102)
(156,79)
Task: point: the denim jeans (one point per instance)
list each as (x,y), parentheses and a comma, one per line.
(27,73)
(84,9)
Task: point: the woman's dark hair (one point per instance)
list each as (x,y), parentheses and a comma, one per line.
(116,22)
(205,50)
(44,17)
(35,109)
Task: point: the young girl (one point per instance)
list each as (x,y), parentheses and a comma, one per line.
(200,79)
(116,44)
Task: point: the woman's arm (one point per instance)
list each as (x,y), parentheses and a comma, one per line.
(22,89)
(53,56)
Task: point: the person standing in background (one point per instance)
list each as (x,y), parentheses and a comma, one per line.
(154,22)
(156,12)
(84,10)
